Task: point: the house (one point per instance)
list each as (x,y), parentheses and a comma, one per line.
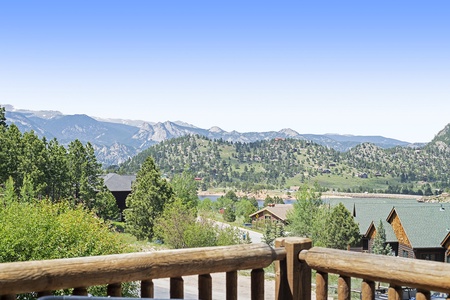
(273,212)
(421,231)
(120,187)
(446,244)
(368,215)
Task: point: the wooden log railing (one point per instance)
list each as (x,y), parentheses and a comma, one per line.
(80,273)
(398,272)
(294,261)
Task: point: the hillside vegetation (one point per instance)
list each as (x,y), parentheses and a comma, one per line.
(283,163)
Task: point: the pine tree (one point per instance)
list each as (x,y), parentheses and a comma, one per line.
(2,117)
(9,194)
(149,194)
(379,243)
(343,230)
(27,190)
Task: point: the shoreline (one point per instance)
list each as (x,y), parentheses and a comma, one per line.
(262,195)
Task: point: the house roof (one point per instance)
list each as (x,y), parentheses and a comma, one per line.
(119,183)
(366,213)
(425,225)
(446,239)
(278,210)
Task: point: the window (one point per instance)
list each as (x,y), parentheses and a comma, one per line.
(405,253)
(428,256)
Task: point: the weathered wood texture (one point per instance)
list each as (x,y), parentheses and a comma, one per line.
(257,284)
(344,288)
(395,293)
(114,290)
(147,289)
(399,230)
(80,291)
(46,275)
(232,285)
(293,277)
(423,295)
(205,287)
(425,275)
(367,290)
(176,288)
(321,286)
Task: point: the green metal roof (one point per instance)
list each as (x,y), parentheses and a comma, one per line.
(425,225)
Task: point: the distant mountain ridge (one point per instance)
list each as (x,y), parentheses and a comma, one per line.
(116,140)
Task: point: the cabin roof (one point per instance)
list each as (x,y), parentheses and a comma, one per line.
(119,183)
(425,225)
(278,210)
(367,212)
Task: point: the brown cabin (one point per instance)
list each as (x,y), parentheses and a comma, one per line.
(273,212)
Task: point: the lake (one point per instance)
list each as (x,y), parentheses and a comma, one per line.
(334,201)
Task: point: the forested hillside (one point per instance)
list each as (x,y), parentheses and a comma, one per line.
(282,163)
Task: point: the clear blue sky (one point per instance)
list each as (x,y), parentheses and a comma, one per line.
(349,67)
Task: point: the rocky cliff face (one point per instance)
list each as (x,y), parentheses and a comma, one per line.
(116,140)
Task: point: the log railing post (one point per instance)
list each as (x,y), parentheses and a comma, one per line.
(80,291)
(114,290)
(321,286)
(231,283)
(344,288)
(177,287)
(257,284)
(205,287)
(293,276)
(368,290)
(147,289)
(423,295)
(44,293)
(395,292)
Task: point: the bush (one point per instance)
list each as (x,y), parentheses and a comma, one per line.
(42,230)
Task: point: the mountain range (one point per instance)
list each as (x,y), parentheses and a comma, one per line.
(116,140)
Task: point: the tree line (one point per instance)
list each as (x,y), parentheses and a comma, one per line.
(33,167)
(280,163)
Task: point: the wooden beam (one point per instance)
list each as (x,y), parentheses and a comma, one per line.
(367,290)
(321,286)
(23,277)
(205,287)
(257,284)
(147,289)
(427,275)
(232,285)
(176,287)
(344,288)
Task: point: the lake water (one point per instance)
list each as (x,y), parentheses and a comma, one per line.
(334,201)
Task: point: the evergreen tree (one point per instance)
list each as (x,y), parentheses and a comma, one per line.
(27,190)
(379,242)
(2,117)
(9,194)
(57,171)
(149,194)
(343,230)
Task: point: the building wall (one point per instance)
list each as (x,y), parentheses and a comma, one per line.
(400,234)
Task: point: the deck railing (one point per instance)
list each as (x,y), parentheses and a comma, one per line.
(294,259)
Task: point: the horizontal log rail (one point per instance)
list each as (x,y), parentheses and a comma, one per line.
(294,259)
(48,275)
(399,271)
(424,276)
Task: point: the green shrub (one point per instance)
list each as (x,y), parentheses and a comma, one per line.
(42,230)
